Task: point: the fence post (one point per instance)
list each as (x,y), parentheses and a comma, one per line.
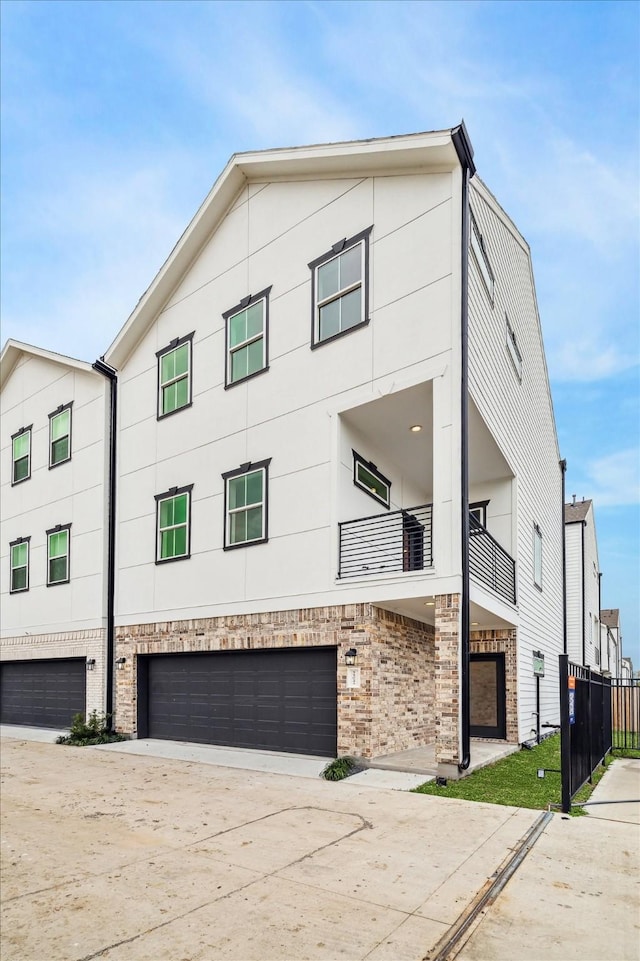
(565,732)
(590,725)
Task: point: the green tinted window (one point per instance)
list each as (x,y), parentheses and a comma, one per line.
(20,566)
(60,431)
(58,549)
(173,519)
(174,378)
(368,478)
(245,507)
(21,456)
(246,342)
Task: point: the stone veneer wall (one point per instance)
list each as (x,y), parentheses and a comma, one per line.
(90,643)
(395,654)
(447,678)
(502,641)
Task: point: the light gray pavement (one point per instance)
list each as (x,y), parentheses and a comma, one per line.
(129,857)
(577,893)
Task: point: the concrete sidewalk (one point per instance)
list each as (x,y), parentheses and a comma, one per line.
(575,896)
(120,856)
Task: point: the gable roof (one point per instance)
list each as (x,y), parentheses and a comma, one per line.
(443,149)
(576,512)
(610,617)
(13,350)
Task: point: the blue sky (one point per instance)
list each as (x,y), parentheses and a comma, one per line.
(118,116)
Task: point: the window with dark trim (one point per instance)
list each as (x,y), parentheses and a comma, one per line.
(174,375)
(478,511)
(247,338)
(340,289)
(368,478)
(60,435)
(246,505)
(173,524)
(19,565)
(58,554)
(481,257)
(21,455)
(537,556)
(512,347)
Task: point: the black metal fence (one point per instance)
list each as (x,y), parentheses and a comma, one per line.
(386,543)
(490,563)
(585,725)
(625,713)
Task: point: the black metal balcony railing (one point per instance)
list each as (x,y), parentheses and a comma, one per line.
(386,543)
(490,563)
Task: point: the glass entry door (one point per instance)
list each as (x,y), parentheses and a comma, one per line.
(487,690)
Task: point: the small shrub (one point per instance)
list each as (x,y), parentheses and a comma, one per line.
(340,768)
(93,730)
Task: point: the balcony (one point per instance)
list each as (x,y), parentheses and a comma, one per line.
(396,542)
(489,563)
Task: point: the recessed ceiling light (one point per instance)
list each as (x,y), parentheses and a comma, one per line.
(415,428)
(429,603)
(474,623)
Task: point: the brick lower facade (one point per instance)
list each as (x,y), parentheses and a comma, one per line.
(391,710)
(447,677)
(85,644)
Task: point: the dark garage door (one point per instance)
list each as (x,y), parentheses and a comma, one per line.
(281,700)
(42,693)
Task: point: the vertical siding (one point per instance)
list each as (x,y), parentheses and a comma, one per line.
(520,416)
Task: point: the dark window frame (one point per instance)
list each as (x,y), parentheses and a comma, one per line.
(55,413)
(173,345)
(57,530)
(18,541)
(481,256)
(480,506)
(169,495)
(248,468)
(338,248)
(20,433)
(371,467)
(537,539)
(512,347)
(247,301)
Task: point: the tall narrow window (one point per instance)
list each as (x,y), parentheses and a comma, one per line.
(19,561)
(247,326)
(60,435)
(340,289)
(21,455)
(514,350)
(481,258)
(246,504)
(537,556)
(58,555)
(174,375)
(173,537)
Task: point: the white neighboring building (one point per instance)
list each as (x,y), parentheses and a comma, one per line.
(320,382)
(583,585)
(53,547)
(611,641)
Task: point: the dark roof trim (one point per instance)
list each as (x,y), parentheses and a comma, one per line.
(462,143)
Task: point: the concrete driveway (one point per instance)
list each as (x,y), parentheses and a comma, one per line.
(116,856)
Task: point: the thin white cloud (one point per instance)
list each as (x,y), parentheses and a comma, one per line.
(613,480)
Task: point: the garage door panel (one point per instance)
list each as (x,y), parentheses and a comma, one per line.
(42,693)
(282,700)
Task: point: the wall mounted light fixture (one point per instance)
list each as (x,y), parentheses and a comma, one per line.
(120,663)
(351,657)
(90,663)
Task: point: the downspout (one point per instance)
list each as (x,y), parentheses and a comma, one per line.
(600,623)
(112,377)
(584,598)
(563,468)
(462,144)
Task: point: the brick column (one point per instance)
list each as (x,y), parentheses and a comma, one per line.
(447,671)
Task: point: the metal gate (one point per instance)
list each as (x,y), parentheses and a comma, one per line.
(625,713)
(585,725)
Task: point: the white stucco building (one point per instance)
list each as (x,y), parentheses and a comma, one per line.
(341,354)
(54,505)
